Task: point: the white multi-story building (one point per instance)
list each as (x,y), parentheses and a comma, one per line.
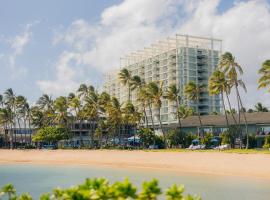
(175,60)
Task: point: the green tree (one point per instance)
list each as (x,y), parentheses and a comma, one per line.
(61,110)
(232,69)
(9,190)
(218,86)
(125,78)
(156,94)
(260,108)
(10,102)
(264,72)
(173,95)
(51,134)
(192,92)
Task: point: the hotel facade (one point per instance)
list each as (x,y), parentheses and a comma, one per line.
(175,60)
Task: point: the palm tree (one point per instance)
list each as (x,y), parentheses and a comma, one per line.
(10,101)
(46,104)
(91,111)
(173,95)
(192,92)
(260,108)
(131,116)
(75,107)
(114,117)
(264,71)
(143,99)
(231,69)
(156,94)
(218,85)
(6,119)
(20,101)
(61,109)
(126,79)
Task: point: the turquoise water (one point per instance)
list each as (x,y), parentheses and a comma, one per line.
(38,179)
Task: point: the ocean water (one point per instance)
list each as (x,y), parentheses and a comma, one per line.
(37,179)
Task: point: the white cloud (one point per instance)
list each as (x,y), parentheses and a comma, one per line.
(17,45)
(131,25)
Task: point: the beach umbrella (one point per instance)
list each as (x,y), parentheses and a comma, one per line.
(214,140)
(195,141)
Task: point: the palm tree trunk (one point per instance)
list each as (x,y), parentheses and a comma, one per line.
(245,119)
(25,134)
(230,107)
(151,114)
(20,130)
(161,127)
(222,97)
(145,116)
(200,120)
(239,117)
(129,92)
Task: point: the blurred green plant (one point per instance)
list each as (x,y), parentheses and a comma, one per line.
(101,189)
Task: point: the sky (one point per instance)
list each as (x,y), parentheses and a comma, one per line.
(54,46)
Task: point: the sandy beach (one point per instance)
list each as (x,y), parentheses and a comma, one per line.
(215,163)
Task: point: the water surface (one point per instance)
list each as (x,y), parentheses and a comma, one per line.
(37,179)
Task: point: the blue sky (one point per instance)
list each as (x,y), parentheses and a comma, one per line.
(53,46)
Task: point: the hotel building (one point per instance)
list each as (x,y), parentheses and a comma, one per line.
(175,60)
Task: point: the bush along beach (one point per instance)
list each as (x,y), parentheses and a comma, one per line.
(100,188)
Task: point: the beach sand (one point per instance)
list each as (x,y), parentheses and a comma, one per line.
(214,163)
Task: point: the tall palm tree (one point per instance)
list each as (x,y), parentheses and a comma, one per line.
(131,116)
(139,85)
(143,99)
(218,86)
(10,101)
(46,104)
(264,71)
(173,95)
(61,109)
(20,101)
(156,94)
(126,79)
(114,117)
(75,107)
(6,120)
(231,69)
(260,108)
(192,92)
(91,111)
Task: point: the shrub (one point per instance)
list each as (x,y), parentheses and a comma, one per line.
(206,140)
(174,137)
(51,134)
(188,139)
(147,136)
(100,188)
(225,138)
(266,142)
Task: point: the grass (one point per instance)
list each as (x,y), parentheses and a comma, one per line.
(238,151)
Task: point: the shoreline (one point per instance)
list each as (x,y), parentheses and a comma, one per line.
(204,163)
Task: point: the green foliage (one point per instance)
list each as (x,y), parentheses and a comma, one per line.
(147,136)
(150,191)
(225,138)
(174,137)
(51,134)
(101,189)
(188,139)
(266,142)
(206,140)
